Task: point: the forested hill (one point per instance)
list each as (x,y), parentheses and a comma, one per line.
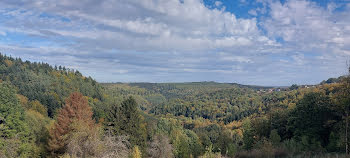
(224,102)
(205,85)
(47,84)
(333,80)
(259,122)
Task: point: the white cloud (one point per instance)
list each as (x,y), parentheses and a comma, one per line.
(298,59)
(308,25)
(253,12)
(218,3)
(161,21)
(167,40)
(229,57)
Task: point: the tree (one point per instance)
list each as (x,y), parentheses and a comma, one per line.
(293,87)
(160,147)
(279,120)
(275,138)
(248,135)
(310,117)
(11,113)
(224,141)
(195,146)
(15,136)
(210,154)
(127,120)
(38,126)
(84,140)
(260,127)
(88,142)
(136,153)
(37,106)
(342,99)
(75,109)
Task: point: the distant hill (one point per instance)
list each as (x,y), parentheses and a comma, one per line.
(333,80)
(207,86)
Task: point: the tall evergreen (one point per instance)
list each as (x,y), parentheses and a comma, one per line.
(127,120)
(15,137)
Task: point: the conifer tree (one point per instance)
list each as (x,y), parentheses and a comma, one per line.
(127,120)
(76,109)
(15,136)
(11,113)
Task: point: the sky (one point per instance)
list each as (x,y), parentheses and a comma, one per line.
(255,42)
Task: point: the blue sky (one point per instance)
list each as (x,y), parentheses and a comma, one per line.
(257,42)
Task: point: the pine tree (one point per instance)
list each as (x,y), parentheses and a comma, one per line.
(127,120)
(11,112)
(76,109)
(15,136)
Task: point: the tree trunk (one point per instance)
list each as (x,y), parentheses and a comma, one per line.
(346,133)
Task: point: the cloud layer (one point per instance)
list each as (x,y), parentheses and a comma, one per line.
(175,41)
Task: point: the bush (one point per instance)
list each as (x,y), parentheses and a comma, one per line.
(255,153)
(275,138)
(292,146)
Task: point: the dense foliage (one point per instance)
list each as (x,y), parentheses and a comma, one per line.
(15,136)
(49,85)
(50,111)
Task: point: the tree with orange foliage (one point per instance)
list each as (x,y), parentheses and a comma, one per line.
(76,109)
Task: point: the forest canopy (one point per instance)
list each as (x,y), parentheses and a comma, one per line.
(53,111)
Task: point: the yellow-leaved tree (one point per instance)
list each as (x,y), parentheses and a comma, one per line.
(136,153)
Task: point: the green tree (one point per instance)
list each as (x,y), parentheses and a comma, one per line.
(15,136)
(127,120)
(248,135)
(224,141)
(275,138)
(310,116)
(260,127)
(210,154)
(37,106)
(293,87)
(195,146)
(38,124)
(342,106)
